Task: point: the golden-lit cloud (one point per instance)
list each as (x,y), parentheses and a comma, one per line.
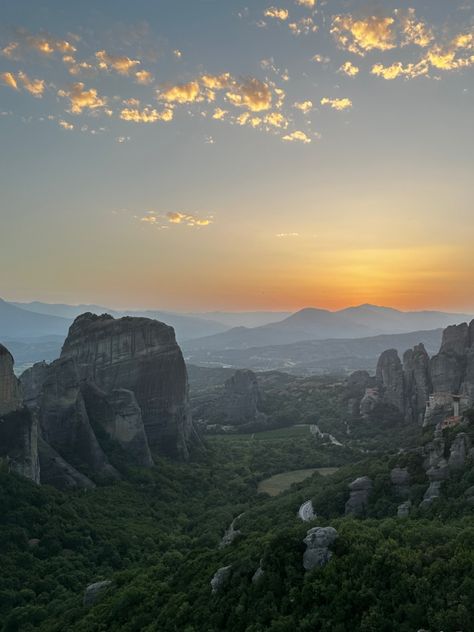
(349,69)
(81,99)
(188,219)
(219,114)
(181,93)
(320,59)
(286,235)
(177,53)
(251,93)
(217,82)
(303,106)
(144,77)
(65,125)
(44,44)
(310,4)
(414,31)
(163,221)
(33,86)
(8,79)
(276,13)
(409,71)
(362,35)
(10,49)
(297,136)
(303,26)
(337,104)
(146,115)
(122,64)
(276,119)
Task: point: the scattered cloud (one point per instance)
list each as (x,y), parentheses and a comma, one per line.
(286,235)
(297,136)
(310,4)
(33,86)
(337,104)
(181,93)
(349,69)
(276,119)
(303,106)
(144,77)
(303,26)
(361,35)
(276,13)
(9,79)
(251,93)
(65,125)
(146,115)
(121,64)
(414,31)
(398,69)
(81,99)
(320,59)
(177,53)
(188,219)
(219,114)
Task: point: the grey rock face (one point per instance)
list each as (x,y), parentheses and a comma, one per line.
(140,355)
(306,512)
(241,399)
(418,386)
(65,424)
(231,533)
(18,426)
(220,578)
(459,451)
(10,393)
(94,591)
(369,402)
(318,540)
(390,375)
(55,471)
(258,575)
(400,479)
(403,510)
(431,494)
(119,414)
(360,490)
(32,381)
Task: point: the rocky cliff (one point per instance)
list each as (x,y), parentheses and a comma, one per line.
(18,425)
(422,390)
(142,356)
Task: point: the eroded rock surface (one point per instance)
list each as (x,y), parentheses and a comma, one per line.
(317,541)
(360,490)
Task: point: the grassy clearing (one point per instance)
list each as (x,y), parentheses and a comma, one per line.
(281,482)
(291,432)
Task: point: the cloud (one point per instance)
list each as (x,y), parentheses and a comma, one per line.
(276,13)
(310,4)
(121,64)
(251,93)
(337,104)
(398,69)
(43,44)
(217,82)
(144,77)
(188,219)
(8,79)
(297,136)
(360,36)
(303,106)
(276,119)
(349,69)
(219,114)
(10,49)
(33,86)
(181,93)
(320,59)
(303,26)
(286,235)
(177,53)
(414,31)
(65,125)
(146,115)
(81,99)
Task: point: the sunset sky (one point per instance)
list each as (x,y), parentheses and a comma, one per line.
(228,154)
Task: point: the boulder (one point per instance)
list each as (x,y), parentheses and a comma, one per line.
(94,591)
(360,490)
(317,541)
(220,578)
(403,510)
(140,355)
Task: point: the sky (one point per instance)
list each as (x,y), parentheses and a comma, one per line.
(225,154)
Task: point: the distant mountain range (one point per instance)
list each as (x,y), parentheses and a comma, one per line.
(313,357)
(320,324)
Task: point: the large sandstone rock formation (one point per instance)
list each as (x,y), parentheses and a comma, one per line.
(360,490)
(18,426)
(140,355)
(241,400)
(317,541)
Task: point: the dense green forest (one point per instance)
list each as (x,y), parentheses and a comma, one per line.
(156,537)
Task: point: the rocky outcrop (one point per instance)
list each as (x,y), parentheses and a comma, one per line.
(231,533)
(10,393)
(93,592)
(220,578)
(306,511)
(400,479)
(360,490)
(57,472)
(140,355)
(390,376)
(119,416)
(403,510)
(317,541)
(418,386)
(18,426)
(65,424)
(241,400)
(459,451)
